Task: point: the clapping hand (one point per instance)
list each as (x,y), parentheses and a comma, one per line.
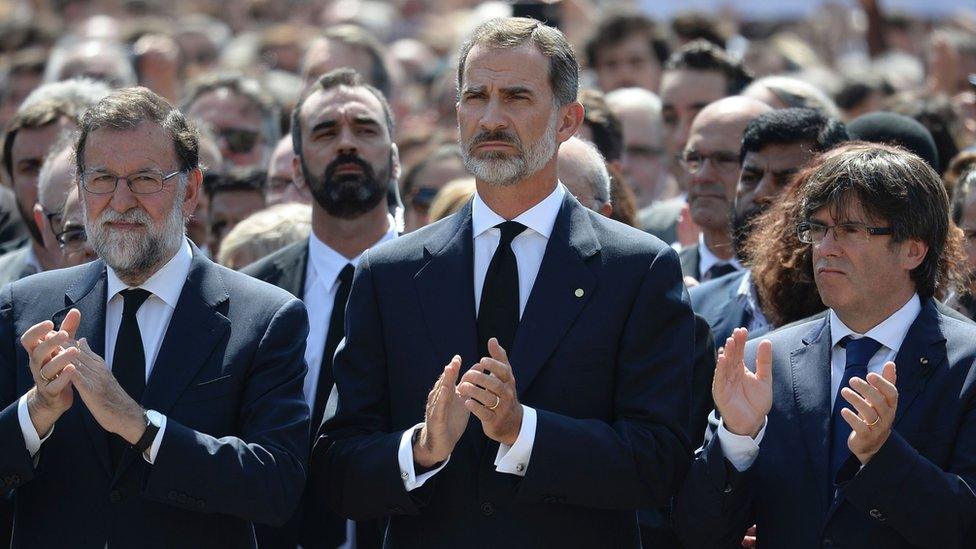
(876,401)
(445,419)
(743,398)
(490,394)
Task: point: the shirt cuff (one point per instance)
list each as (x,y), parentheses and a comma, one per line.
(740,450)
(32,440)
(405,458)
(514,459)
(157,441)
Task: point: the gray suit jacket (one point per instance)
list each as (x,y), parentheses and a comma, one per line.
(13,265)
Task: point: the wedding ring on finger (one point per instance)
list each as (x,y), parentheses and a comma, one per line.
(875,422)
(46,380)
(498,399)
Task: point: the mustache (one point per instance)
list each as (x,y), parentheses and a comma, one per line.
(497,135)
(348,158)
(134,215)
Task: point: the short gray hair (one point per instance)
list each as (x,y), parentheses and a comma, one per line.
(512,32)
(79,93)
(70,51)
(596,173)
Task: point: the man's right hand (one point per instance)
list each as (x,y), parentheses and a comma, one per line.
(444,419)
(743,398)
(51,354)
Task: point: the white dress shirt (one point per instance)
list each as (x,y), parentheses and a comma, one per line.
(165,286)
(707,259)
(529,248)
(742,450)
(321,285)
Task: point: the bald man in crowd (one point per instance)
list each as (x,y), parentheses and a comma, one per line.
(583,170)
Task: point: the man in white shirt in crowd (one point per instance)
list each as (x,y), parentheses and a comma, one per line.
(856,428)
(342,132)
(519,371)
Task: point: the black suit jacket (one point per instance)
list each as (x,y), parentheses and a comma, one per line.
(314,524)
(717,301)
(603,352)
(917,491)
(228,377)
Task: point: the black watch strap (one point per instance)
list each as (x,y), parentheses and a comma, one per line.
(146,441)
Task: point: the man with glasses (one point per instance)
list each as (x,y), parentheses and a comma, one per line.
(158,393)
(775,146)
(242,115)
(711,160)
(856,428)
(73,239)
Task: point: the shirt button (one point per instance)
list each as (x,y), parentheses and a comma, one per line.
(520,467)
(404,475)
(487,509)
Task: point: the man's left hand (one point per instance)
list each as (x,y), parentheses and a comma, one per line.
(492,396)
(876,401)
(107,401)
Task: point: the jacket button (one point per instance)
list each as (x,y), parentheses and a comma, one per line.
(487,509)
(171,495)
(876,514)
(115,496)
(727,489)
(396,509)
(200,504)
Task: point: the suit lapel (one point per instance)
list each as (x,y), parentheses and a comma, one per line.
(810,371)
(445,286)
(561,290)
(88,295)
(292,266)
(922,351)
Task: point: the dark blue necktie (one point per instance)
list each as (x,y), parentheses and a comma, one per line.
(859,353)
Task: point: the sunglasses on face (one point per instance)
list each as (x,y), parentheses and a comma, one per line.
(239,141)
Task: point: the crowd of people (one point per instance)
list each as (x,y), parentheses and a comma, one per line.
(430,273)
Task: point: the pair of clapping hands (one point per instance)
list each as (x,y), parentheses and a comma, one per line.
(486,390)
(744,398)
(60,365)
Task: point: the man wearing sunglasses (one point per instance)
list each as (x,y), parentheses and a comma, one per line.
(856,428)
(153,396)
(241,114)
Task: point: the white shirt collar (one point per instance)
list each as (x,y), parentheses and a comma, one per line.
(891,332)
(707,259)
(328,263)
(540,218)
(166,283)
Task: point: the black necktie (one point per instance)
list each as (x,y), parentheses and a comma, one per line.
(717,270)
(129,360)
(332,339)
(498,312)
(859,353)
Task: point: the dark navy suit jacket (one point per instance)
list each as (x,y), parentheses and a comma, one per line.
(917,491)
(603,352)
(228,377)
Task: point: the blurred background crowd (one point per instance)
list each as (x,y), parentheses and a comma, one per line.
(237,67)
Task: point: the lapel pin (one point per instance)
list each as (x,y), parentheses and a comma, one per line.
(578,292)
(923,360)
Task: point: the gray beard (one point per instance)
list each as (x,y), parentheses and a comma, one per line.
(501,170)
(133,256)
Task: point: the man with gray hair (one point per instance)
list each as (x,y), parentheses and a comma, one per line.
(54,181)
(241,113)
(644,160)
(521,370)
(583,171)
(158,393)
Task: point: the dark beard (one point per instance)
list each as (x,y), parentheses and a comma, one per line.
(348,196)
(742,225)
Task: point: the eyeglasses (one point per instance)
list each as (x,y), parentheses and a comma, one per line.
(72,239)
(147,182)
(239,141)
(694,162)
(53,219)
(844,233)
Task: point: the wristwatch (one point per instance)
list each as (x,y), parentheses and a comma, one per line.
(153,421)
